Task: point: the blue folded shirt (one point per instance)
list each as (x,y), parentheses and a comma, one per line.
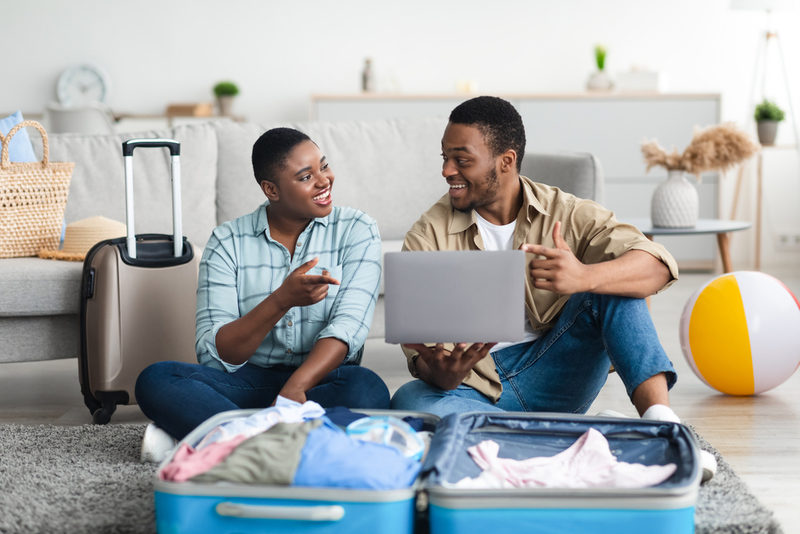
(332,459)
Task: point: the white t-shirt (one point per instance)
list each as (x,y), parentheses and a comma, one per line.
(502,238)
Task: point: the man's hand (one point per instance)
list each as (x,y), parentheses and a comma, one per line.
(448,369)
(560,271)
(301,289)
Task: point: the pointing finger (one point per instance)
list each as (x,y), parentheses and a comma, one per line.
(316,279)
(540,250)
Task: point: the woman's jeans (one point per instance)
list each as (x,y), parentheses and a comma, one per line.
(179,396)
(564,370)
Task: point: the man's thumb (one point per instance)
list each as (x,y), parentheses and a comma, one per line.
(557,239)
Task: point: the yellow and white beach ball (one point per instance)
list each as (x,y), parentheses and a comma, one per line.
(740,333)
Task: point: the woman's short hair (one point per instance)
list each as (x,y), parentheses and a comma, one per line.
(271,151)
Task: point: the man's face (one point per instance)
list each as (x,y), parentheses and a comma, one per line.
(303,186)
(469,167)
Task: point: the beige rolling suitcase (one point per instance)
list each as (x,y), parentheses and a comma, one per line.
(138,298)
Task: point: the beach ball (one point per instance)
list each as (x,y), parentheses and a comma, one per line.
(740,333)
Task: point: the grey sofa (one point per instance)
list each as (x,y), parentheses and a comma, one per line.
(390,169)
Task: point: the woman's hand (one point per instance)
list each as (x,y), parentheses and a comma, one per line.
(301,289)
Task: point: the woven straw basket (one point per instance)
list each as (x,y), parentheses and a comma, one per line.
(32,200)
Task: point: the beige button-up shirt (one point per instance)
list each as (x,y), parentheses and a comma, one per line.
(592,232)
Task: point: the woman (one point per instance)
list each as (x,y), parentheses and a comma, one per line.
(284,303)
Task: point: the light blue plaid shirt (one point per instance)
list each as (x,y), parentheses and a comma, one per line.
(242,265)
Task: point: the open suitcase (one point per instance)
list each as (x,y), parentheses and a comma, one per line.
(138,300)
(227,508)
(665,508)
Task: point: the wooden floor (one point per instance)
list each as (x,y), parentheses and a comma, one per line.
(759,436)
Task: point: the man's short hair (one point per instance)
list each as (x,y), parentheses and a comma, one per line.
(498,121)
(272,149)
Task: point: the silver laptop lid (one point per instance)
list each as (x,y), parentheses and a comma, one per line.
(454,296)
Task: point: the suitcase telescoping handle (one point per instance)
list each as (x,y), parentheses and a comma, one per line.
(175,152)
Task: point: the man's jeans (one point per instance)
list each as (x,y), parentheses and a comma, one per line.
(179,396)
(563,370)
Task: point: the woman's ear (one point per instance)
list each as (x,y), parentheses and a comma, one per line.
(270,190)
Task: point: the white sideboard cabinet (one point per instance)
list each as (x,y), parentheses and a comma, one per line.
(609,125)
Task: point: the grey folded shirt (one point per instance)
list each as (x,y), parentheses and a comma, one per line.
(269,458)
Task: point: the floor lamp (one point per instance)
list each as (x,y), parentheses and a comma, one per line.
(764,41)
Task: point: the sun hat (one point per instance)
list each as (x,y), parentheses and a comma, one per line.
(82,235)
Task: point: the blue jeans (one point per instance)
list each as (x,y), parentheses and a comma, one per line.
(564,370)
(179,396)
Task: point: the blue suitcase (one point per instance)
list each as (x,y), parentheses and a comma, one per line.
(226,508)
(665,508)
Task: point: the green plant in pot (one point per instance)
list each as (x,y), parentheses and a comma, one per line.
(599,81)
(225,91)
(600,56)
(767,116)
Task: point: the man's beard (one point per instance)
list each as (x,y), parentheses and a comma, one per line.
(492,185)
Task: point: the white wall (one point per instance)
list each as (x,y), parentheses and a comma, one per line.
(279,53)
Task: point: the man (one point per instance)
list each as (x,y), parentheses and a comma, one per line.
(586,282)
(285,299)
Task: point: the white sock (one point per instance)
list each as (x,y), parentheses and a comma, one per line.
(156,444)
(659,412)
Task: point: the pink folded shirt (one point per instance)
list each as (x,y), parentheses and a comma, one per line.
(588,463)
(189,462)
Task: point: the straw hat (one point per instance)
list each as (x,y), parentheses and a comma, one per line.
(81,236)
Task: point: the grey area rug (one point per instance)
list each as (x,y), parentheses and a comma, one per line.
(88,479)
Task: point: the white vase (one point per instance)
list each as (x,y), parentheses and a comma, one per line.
(225,104)
(675,203)
(599,81)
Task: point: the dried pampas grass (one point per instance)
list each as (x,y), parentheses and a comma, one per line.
(716,148)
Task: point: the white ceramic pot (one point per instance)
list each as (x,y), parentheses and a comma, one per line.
(599,81)
(225,104)
(675,203)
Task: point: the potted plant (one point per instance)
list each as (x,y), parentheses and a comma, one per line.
(675,203)
(599,81)
(225,91)
(767,116)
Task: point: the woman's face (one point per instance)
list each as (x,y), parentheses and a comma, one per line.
(302,188)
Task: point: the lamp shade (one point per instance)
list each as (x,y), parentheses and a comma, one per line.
(764,5)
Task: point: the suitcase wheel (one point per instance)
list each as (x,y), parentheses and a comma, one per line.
(102,416)
(91,403)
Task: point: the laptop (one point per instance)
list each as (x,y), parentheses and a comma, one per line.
(454,296)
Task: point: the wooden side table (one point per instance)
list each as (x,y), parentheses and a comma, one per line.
(720,227)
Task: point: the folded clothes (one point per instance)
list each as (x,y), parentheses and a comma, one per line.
(189,462)
(341,416)
(332,459)
(269,458)
(587,463)
(284,411)
(314,453)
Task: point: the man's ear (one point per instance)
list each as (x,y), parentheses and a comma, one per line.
(270,190)
(508,161)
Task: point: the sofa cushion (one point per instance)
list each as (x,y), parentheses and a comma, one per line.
(98,181)
(576,173)
(45,337)
(374,163)
(32,286)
